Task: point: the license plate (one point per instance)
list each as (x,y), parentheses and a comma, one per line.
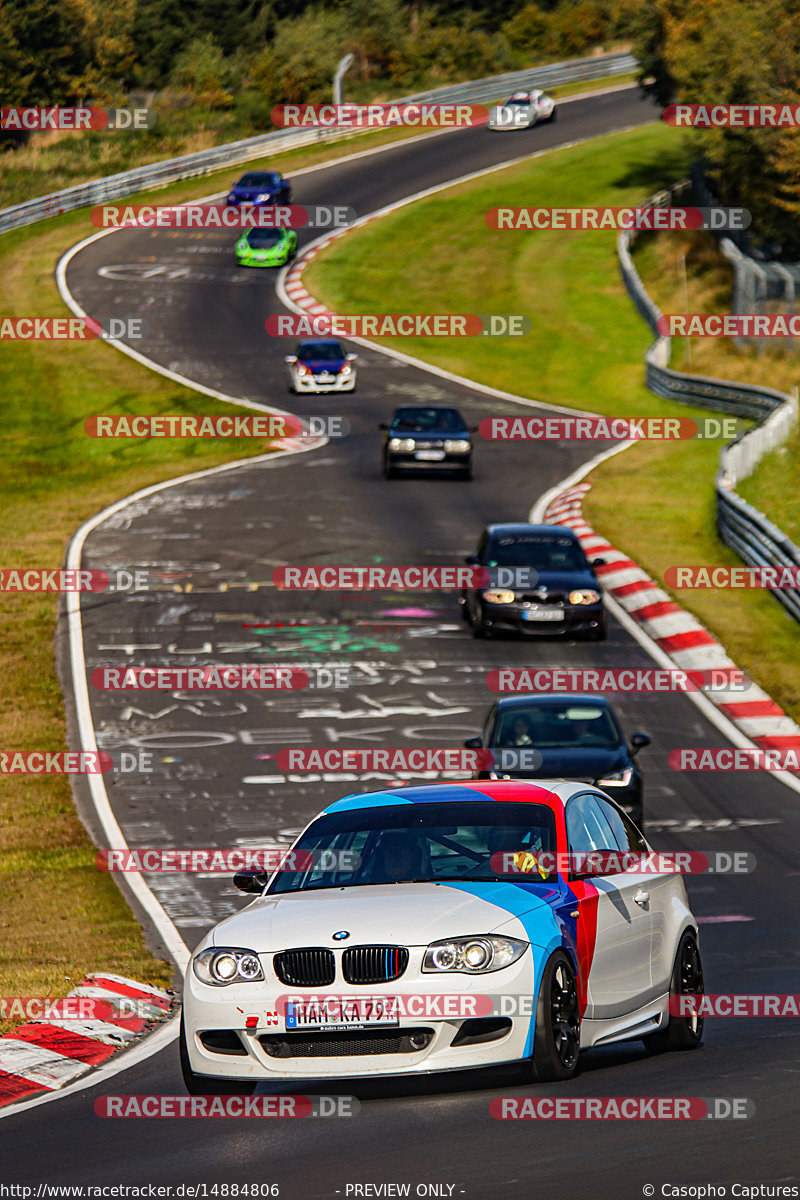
(542,614)
(325,377)
(359,1013)
(429,455)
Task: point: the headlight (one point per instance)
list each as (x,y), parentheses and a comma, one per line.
(263,196)
(223,966)
(402,444)
(301,370)
(473,955)
(232,197)
(499,596)
(456,445)
(619,779)
(346,369)
(584,597)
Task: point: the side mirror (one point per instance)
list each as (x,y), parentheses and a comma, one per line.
(474,743)
(471,560)
(597,562)
(383,425)
(351,357)
(290,358)
(638,742)
(253,882)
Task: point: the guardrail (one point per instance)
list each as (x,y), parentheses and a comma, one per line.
(203,162)
(749,532)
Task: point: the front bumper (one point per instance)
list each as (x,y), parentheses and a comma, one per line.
(205,1009)
(410,462)
(308,383)
(582,618)
(277,260)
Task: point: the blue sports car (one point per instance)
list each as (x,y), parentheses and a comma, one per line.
(260,187)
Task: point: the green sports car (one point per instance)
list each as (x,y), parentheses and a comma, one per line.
(266,247)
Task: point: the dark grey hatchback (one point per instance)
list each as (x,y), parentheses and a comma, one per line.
(558,736)
(421,437)
(540,581)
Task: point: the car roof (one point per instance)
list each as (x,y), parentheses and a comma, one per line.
(320,342)
(552,698)
(448,408)
(516,791)
(515,528)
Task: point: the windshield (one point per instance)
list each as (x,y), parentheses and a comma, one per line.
(517,102)
(549,553)
(265,237)
(557,726)
(446,420)
(418,843)
(320,352)
(258,179)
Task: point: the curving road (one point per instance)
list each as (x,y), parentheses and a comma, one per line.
(416,678)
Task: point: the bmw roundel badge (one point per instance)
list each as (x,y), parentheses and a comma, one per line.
(341,935)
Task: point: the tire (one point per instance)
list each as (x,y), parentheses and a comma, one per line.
(388,470)
(465,473)
(552,116)
(203,1085)
(556,1043)
(682,1033)
(598,635)
(479,627)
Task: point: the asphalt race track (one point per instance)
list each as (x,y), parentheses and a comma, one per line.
(416,678)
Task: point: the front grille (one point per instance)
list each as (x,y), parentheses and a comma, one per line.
(374,964)
(311,966)
(347,1044)
(552,598)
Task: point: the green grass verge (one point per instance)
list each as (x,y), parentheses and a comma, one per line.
(772,488)
(655,501)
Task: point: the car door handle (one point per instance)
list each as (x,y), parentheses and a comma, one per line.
(642,897)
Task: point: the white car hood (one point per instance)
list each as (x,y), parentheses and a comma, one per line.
(409,914)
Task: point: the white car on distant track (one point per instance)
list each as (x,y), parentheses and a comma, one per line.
(522,111)
(458,933)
